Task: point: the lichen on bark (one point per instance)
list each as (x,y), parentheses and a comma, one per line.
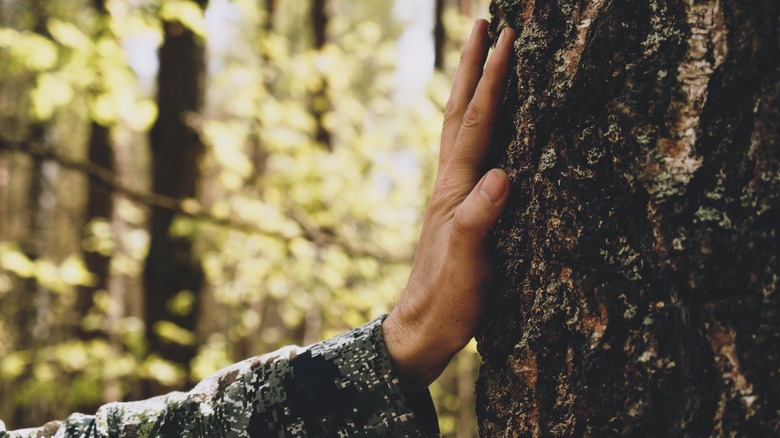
(636,290)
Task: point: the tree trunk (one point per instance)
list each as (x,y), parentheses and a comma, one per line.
(320,101)
(171,267)
(33,317)
(100,203)
(271,7)
(439,36)
(637,263)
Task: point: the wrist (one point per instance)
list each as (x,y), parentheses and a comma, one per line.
(417,356)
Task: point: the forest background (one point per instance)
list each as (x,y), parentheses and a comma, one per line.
(185,184)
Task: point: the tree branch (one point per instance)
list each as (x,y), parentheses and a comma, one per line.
(109,179)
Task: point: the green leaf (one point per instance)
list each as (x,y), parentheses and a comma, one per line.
(187,13)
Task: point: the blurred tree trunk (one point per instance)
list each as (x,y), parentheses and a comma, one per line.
(466,370)
(320,101)
(100,203)
(638,260)
(171,266)
(270,15)
(439,36)
(100,206)
(310,328)
(34,314)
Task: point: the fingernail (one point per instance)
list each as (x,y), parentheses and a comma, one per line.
(501,36)
(475,28)
(493,186)
(504,34)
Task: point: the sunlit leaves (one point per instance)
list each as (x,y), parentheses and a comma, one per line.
(163,371)
(15,261)
(73,272)
(227,140)
(363,197)
(67,361)
(186,12)
(173,333)
(28,50)
(133,243)
(336,229)
(53,90)
(275,47)
(69,35)
(99,237)
(212,356)
(14,364)
(60,277)
(182,303)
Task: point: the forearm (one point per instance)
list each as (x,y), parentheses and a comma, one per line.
(344,386)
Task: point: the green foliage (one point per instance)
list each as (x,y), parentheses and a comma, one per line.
(58,277)
(187,13)
(26,51)
(335,229)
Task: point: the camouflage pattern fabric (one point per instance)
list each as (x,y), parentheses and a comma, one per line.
(341,387)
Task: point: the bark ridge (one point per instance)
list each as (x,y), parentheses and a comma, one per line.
(638,262)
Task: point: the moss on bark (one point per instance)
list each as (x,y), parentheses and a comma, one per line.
(638,260)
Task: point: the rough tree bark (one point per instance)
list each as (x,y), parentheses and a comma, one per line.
(171,267)
(638,262)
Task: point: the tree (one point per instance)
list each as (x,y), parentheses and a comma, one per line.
(298,241)
(439,35)
(100,203)
(319,100)
(637,284)
(172,272)
(34,315)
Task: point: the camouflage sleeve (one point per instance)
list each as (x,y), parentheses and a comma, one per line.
(344,386)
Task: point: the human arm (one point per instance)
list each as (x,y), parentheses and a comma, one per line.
(442,304)
(377,372)
(344,386)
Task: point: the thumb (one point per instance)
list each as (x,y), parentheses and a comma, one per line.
(480,210)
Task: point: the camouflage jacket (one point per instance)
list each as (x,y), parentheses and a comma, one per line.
(341,387)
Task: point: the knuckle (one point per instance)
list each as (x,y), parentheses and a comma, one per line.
(494,89)
(491,80)
(442,200)
(473,115)
(451,113)
(469,54)
(491,72)
(493,69)
(472,56)
(465,55)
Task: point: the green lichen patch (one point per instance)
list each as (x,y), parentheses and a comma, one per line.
(548,160)
(709,214)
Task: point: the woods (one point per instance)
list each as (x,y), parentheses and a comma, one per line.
(188,183)
(638,260)
(185,184)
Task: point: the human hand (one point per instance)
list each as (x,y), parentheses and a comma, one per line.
(442,304)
